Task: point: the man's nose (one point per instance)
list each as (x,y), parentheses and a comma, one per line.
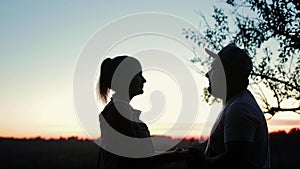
(207,74)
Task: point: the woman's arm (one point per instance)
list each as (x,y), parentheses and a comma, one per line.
(161,159)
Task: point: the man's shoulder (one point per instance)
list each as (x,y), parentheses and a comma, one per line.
(245,98)
(244,103)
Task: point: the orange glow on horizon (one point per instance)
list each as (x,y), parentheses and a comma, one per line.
(82,137)
(275,125)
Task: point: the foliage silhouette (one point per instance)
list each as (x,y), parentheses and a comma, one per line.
(275,22)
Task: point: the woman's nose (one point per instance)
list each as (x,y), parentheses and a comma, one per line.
(143,79)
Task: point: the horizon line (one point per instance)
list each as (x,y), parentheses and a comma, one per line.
(74,137)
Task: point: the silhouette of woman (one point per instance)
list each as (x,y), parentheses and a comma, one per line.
(126,140)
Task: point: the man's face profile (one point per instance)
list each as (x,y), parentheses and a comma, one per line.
(216,78)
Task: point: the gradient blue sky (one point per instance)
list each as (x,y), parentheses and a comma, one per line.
(39,46)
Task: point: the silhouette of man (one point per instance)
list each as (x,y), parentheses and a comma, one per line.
(239,138)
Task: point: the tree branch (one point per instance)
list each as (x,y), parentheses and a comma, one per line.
(273,110)
(276,80)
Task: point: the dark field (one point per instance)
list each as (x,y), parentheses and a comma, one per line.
(82,154)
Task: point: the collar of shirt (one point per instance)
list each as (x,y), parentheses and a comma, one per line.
(135,113)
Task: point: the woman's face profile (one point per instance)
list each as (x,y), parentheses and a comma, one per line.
(128,79)
(137,84)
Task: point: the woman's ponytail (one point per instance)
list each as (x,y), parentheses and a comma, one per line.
(107,70)
(105,79)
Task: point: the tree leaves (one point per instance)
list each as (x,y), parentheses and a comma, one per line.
(279,20)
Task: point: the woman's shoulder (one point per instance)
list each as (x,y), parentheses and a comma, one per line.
(107,108)
(116,108)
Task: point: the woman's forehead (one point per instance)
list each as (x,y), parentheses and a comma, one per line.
(131,64)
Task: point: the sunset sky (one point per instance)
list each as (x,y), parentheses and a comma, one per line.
(40,44)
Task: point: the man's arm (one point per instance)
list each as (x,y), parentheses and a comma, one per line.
(235,156)
(239,133)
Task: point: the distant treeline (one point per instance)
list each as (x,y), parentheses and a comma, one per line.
(78,153)
(279,133)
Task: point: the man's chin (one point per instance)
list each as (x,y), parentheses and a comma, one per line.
(216,93)
(209,90)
